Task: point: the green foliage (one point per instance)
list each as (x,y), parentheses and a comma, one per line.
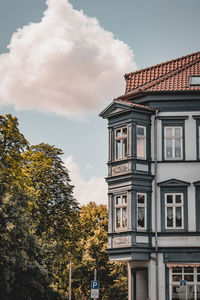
(41,224)
(23,273)
(12,144)
(91,254)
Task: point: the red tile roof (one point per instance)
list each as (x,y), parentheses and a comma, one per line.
(168,76)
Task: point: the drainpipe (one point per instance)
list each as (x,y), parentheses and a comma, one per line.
(156,205)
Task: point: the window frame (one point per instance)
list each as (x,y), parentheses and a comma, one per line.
(173,139)
(144,137)
(120,207)
(174,122)
(182,275)
(174,205)
(120,138)
(141,205)
(177,188)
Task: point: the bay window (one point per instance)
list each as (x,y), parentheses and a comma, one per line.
(121,216)
(141,142)
(141,211)
(121,143)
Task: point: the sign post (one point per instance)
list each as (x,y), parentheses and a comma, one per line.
(95,287)
(183,285)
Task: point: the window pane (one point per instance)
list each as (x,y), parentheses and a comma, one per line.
(141,198)
(124,217)
(198,269)
(124,199)
(117,217)
(188,270)
(169,148)
(177,270)
(124,131)
(178,293)
(191,292)
(168,132)
(118,132)
(176,277)
(140,130)
(124,148)
(169,198)
(177,132)
(141,217)
(140,147)
(170,217)
(178,216)
(118,149)
(178,148)
(118,200)
(189,277)
(178,199)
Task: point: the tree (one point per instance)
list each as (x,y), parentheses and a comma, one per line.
(23,273)
(36,177)
(49,185)
(92,254)
(12,144)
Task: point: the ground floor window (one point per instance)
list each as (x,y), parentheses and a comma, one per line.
(184,282)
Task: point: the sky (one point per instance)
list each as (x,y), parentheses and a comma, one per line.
(63,61)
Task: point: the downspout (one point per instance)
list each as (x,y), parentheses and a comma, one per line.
(156,205)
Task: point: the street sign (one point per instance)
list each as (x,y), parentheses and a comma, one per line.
(183,282)
(95,289)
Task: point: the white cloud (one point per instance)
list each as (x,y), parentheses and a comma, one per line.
(94,189)
(67,64)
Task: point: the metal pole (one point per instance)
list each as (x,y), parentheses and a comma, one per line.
(70,280)
(95,277)
(156,206)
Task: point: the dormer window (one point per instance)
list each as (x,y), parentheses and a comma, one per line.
(194,80)
(121,138)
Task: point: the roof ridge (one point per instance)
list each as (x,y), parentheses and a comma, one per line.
(170,74)
(161,64)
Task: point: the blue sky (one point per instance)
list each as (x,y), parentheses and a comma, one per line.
(61,71)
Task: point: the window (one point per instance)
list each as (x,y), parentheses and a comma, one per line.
(174,211)
(194,80)
(141,142)
(141,211)
(192,276)
(121,139)
(173,142)
(121,212)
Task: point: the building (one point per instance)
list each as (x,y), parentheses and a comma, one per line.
(154,180)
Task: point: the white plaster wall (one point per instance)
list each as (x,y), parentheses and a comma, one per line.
(176,241)
(185,171)
(152,279)
(190,134)
(161,276)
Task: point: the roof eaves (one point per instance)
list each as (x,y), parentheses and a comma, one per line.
(135,105)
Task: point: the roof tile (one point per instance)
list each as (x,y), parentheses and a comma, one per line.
(168,76)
